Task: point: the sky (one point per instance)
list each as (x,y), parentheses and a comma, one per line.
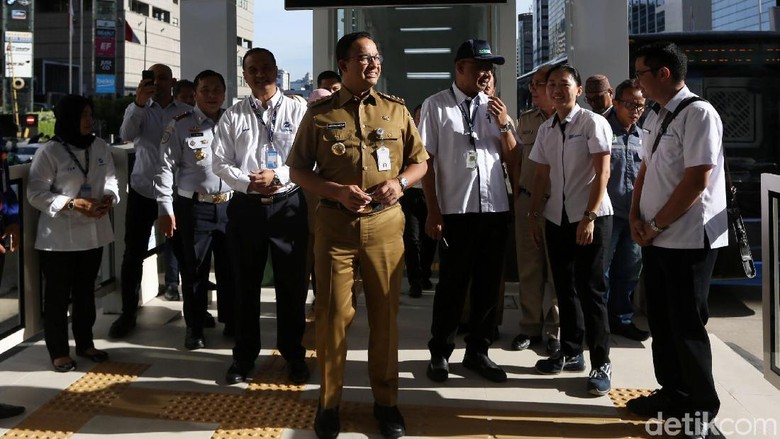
(288,34)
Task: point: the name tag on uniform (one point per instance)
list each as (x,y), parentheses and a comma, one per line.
(383,158)
(200,139)
(85,191)
(336,126)
(471,159)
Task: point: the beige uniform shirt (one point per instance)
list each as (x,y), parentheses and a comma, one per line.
(527,126)
(346,138)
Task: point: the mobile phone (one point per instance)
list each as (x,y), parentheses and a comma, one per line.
(147,74)
(8,242)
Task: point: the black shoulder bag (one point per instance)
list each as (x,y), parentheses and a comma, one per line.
(735,261)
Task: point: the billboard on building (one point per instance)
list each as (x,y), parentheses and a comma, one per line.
(18,48)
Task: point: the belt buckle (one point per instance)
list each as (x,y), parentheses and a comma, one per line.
(266,200)
(219,198)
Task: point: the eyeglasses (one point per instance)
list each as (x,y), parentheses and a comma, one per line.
(367,59)
(633,106)
(639,73)
(538,84)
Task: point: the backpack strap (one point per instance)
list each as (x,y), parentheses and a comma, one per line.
(670,116)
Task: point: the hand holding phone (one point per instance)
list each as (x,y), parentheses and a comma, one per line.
(147,75)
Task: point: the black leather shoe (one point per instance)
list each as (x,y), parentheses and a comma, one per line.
(438,369)
(8,411)
(208,321)
(427,284)
(484,366)
(391,423)
(65,367)
(238,372)
(326,423)
(93,354)
(228,330)
(171,293)
(523,342)
(649,406)
(194,339)
(630,331)
(415,291)
(553,345)
(122,326)
(298,371)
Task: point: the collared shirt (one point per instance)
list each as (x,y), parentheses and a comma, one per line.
(55,179)
(625,162)
(242,142)
(693,138)
(461,187)
(528,126)
(145,127)
(186,150)
(571,162)
(342,135)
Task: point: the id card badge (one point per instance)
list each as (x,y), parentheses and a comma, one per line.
(471,159)
(383,158)
(85,191)
(271,157)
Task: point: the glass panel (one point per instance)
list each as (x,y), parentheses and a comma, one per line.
(11,286)
(775,285)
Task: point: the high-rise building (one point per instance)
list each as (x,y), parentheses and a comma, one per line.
(654,16)
(525,43)
(540,34)
(556,27)
(742,14)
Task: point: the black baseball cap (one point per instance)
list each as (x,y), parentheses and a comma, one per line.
(479,50)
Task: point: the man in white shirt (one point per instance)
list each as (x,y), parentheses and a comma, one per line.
(267,212)
(678,214)
(468,209)
(144,123)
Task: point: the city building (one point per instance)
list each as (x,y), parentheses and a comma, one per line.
(525,43)
(540,34)
(744,15)
(283,79)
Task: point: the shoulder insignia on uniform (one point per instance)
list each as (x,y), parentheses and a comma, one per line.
(527,112)
(182,116)
(167,134)
(322,100)
(391,97)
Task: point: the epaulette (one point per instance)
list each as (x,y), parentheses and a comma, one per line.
(531,111)
(182,116)
(392,98)
(322,100)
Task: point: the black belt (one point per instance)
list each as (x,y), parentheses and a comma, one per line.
(370,208)
(271,199)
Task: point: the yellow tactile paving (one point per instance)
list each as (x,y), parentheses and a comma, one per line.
(270,405)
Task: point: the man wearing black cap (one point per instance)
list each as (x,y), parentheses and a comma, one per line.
(468,208)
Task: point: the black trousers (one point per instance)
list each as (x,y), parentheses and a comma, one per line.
(419,248)
(201,232)
(141,215)
(677,284)
(474,256)
(253,229)
(70,277)
(580,285)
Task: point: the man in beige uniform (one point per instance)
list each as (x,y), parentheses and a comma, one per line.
(538,307)
(360,140)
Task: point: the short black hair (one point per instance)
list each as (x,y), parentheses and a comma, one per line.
(664,54)
(255,50)
(327,74)
(209,74)
(180,84)
(623,86)
(345,42)
(568,68)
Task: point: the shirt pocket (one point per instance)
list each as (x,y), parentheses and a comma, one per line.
(339,144)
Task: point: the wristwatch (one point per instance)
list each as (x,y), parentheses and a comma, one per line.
(589,215)
(71,204)
(276,181)
(655,227)
(403,182)
(505,128)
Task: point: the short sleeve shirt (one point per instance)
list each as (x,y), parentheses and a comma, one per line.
(693,138)
(527,127)
(346,136)
(569,155)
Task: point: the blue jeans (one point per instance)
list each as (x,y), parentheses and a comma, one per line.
(623,265)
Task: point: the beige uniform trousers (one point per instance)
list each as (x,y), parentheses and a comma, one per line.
(373,244)
(538,304)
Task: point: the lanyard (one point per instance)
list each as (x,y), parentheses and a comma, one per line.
(83,170)
(468,119)
(259,115)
